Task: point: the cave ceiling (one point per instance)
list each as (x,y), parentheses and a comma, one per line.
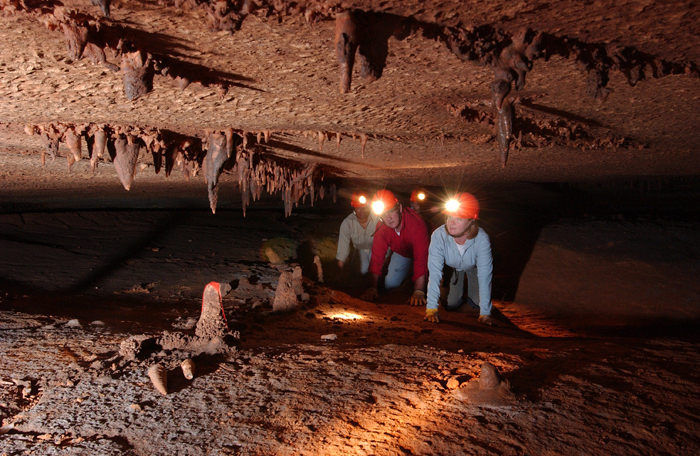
(562,90)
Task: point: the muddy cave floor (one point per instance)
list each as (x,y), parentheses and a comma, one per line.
(597,338)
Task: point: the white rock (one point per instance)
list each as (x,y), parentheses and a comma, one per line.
(329,337)
(74,323)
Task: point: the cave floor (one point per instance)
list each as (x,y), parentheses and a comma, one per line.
(77,282)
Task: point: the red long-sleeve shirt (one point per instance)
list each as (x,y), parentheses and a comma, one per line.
(411,243)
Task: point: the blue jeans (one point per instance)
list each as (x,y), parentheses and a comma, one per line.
(455,297)
(365,257)
(399,267)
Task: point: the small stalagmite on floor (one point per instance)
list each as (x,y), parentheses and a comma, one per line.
(289,289)
(188,368)
(159,377)
(489,389)
(212,322)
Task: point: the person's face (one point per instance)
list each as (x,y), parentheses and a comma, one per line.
(392,218)
(457,227)
(362,212)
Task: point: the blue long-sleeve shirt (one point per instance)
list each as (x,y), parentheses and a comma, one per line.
(443,251)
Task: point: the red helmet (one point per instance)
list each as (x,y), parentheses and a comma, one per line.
(358,200)
(383,201)
(418,195)
(462,205)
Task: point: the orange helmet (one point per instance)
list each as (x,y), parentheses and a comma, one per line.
(383,201)
(418,195)
(462,205)
(358,200)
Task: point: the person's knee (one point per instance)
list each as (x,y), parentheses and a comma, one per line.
(364,268)
(392,280)
(453,301)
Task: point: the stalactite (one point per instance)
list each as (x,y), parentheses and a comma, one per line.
(321,140)
(127,155)
(104,6)
(363,139)
(346,43)
(258,172)
(138,74)
(76,39)
(73,143)
(505,131)
(217,146)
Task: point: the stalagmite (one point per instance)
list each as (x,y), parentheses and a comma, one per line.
(319,268)
(138,74)
(285,296)
(212,320)
(127,155)
(188,368)
(159,377)
(490,378)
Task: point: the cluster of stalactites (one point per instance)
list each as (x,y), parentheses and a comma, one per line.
(511,66)
(100,41)
(122,144)
(258,172)
(237,152)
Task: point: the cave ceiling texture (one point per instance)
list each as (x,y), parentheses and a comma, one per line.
(288,98)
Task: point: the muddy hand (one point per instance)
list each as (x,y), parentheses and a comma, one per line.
(431,315)
(417,298)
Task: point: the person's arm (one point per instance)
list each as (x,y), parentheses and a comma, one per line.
(484,272)
(343,243)
(436,261)
(379,247)
(419,284)
(420,242)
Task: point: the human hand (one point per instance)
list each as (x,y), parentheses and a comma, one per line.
(417,298)
(371,294)
(340,264)
(431,315)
